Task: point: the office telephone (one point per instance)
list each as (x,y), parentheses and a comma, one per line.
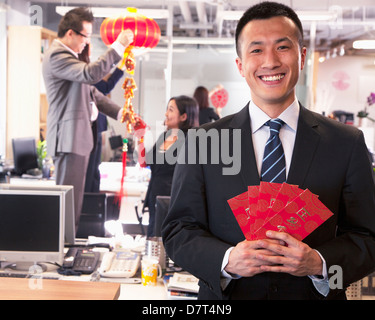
(81,260)
(119,264)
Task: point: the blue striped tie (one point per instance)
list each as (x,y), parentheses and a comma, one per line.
(273,166)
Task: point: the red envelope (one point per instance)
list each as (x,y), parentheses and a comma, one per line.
(267,194)
(287,193)
(299,217)
(267,191)
(240,208)
(253,194)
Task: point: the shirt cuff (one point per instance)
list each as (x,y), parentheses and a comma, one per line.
(321,283)
(224,264)
(118,47)
(225,276)
(119,115)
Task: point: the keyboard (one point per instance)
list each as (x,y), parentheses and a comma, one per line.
(6,274)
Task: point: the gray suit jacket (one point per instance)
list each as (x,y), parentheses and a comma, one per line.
(70,93)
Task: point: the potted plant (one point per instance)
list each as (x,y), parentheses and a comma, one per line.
(363,113)
(41,150)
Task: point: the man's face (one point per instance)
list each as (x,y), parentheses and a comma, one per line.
(79,40)
(271,60)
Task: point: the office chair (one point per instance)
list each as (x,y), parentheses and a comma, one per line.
(24,155)
(116,144)
(93,216)
(161,211)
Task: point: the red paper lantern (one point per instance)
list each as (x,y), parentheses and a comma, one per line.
(146,30)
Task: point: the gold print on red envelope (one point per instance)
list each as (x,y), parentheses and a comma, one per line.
(240,208)
(279,207)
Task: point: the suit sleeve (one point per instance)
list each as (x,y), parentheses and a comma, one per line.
(105,105)
(353,249)
(65,66)
(106,86)
(186,234)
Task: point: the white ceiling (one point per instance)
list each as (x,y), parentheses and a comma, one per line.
(199,18)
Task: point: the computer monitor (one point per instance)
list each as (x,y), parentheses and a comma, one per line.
(31,226)
(24,155)
(68,201)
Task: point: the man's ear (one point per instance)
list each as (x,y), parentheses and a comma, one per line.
(69,33)
(239,66)
(303,57)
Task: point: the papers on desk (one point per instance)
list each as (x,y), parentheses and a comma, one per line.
(136,179)
(181,286)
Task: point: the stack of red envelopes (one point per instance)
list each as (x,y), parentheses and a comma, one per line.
(279,207)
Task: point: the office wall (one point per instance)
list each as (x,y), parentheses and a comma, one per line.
(3,77)
(15,12)
(344,83)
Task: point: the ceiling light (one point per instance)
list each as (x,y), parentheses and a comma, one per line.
(198,40)
(201,26)
(316,15)
(104,12)
(364,44)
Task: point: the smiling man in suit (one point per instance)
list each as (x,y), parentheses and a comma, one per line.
(73,101)
(201,233)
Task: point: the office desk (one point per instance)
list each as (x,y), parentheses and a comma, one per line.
(140,292)
(37,289)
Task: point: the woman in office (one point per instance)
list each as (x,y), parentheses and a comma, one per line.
(181,115)
(206,114)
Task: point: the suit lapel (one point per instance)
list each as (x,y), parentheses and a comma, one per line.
(249,172)
(307,140)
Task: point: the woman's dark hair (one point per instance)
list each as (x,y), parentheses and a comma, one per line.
(73,20)
(189,106)
(267,10)
(201,96)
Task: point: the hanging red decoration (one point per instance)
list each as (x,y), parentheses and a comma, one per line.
(146,35)
(219,97)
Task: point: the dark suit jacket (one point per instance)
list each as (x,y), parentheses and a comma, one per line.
(329,158)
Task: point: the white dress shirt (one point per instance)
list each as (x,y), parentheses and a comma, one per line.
(261,133)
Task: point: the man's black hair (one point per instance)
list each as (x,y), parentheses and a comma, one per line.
(267,10)
(73,20)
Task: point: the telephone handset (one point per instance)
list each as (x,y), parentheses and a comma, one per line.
(119,264)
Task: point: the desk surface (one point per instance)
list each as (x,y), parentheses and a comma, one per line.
(44,289)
